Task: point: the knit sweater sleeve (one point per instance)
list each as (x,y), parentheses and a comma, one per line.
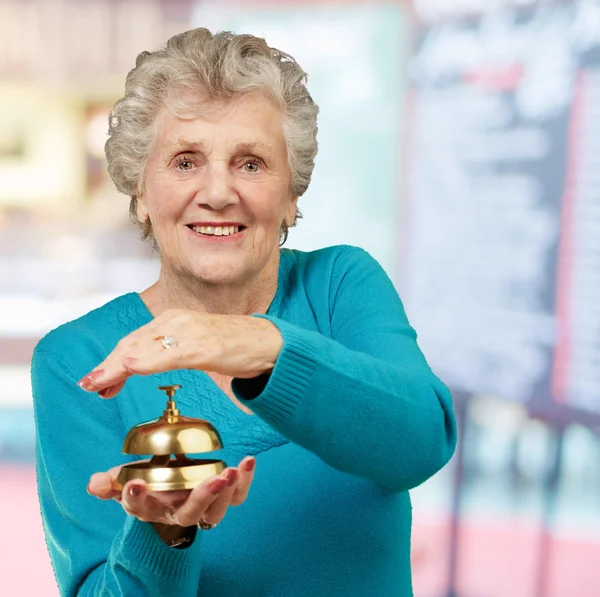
(364,400)
(95,548)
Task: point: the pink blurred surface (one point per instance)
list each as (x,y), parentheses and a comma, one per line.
(502,561)
(496,561)
(25,567)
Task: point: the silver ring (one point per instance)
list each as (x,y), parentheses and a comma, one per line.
(167,341)
(205,526)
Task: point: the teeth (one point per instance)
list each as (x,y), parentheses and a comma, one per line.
(216,230)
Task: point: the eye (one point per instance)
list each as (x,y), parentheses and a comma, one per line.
(184,163)
(251,166)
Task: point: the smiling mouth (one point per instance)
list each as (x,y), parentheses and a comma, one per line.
(217,230)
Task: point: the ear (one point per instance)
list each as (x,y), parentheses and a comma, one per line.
(141,209)
(290,212)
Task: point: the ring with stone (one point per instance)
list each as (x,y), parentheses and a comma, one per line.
(167,341)
(205,526)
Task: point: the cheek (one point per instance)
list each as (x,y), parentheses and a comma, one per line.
(168,204)
(270,208)
(163,212)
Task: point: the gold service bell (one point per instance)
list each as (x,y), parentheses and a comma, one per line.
(169,435)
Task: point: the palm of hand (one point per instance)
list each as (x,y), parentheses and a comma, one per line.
(208,502)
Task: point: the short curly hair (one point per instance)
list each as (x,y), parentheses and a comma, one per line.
(215,67)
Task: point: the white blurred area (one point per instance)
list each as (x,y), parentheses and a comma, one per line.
(67,245)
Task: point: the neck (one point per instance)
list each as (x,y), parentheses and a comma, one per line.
(173,291)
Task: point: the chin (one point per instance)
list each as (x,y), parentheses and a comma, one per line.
(219,274)
(223,269)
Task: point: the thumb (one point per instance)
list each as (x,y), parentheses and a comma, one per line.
(101,485)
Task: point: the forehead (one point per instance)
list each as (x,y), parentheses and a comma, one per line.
(249,120)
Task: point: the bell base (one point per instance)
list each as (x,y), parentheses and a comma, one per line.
(175,475)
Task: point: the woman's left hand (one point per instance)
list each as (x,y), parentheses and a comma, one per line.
(234,345)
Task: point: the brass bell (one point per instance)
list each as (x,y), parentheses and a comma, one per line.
(170,435)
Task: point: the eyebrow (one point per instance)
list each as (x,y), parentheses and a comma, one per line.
(253,147)
(244,147)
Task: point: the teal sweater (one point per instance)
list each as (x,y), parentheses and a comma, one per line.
(350,419)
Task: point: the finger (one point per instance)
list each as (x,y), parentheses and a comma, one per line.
(88,382)
(111,371)
(142,355)
(165,360)
(101,485)
(217,510)
(113,375)
(246,469)
(137,502)
(141,343)
(152,506)
(174,498)
(165,504)
(199,501)
(104,485)
(107,374)
(111,391)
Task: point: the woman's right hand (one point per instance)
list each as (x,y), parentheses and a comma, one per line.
(208,502)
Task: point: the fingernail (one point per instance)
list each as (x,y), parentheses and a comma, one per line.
(105,393)
(88,489)
(90,377)
(231,476)
(135,490)
(217,485)
(250,465)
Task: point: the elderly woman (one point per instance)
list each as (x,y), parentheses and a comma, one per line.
(305,362)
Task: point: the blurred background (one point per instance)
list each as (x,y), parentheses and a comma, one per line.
(459,144)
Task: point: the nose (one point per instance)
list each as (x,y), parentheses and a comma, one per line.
(217,191)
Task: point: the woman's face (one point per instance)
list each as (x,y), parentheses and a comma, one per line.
(216,190)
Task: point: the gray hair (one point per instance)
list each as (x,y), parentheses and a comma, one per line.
(219,67)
